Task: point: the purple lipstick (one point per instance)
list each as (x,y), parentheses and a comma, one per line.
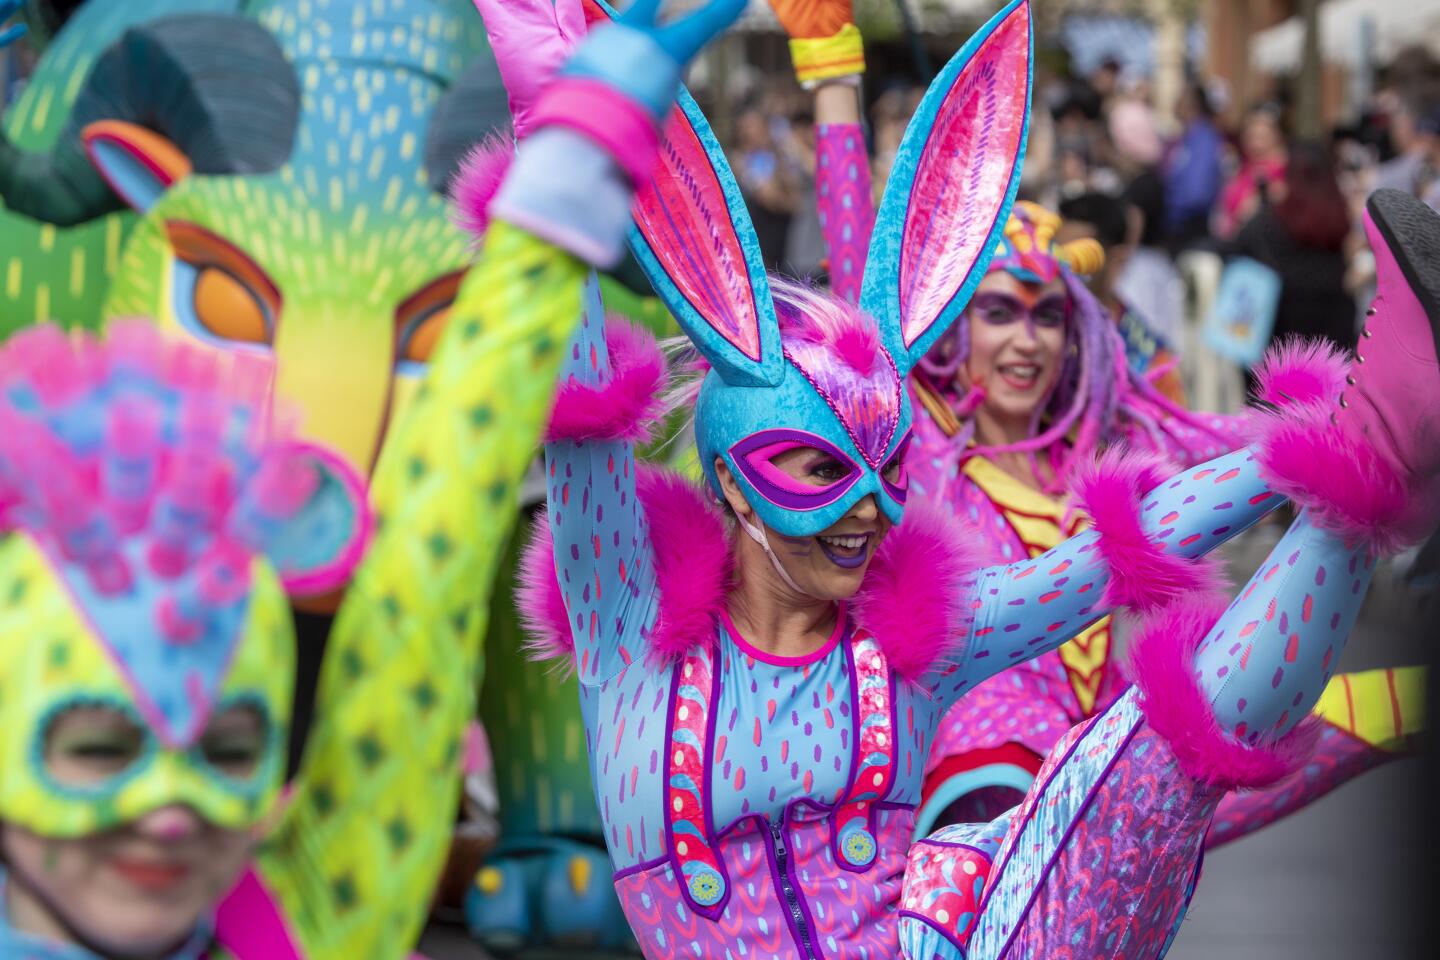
(848,552)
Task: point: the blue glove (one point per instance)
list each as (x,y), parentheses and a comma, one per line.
(8,8)
(643,60)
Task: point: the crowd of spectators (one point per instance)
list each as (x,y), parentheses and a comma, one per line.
(1223,178)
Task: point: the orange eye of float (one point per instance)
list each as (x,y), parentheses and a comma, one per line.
(420,321)
(220,293)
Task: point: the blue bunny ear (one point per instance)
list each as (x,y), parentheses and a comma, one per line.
(951,188)
(694,240)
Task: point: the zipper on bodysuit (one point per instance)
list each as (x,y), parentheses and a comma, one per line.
(792,898)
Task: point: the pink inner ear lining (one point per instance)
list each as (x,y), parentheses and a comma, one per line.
(932,267)
(684,216)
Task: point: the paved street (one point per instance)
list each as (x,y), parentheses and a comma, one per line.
(1331,883)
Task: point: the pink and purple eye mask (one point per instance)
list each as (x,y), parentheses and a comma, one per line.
(827,477)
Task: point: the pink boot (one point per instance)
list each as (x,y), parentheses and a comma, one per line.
(1368,469)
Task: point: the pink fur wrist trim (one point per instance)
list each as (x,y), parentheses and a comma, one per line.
(1143,577)
(619,126)
(628,405)
(1161,663)
(477,181)
(1345,486)
(691,549)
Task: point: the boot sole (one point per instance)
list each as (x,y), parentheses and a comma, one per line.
(1412,232)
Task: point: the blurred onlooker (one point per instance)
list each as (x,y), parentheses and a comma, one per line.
(1104,82)
(1411,133)
(1300,234)
(805,241)
(1192,171)
(757,163)
(1138,284)
(1262,170)
(1134,141)
(1104,219)
(1132,125)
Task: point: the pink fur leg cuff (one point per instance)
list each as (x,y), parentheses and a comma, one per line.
(1162,665)
(1143,576)
(1344,485)
(628,405)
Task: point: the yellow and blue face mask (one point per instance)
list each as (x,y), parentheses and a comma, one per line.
(153,528)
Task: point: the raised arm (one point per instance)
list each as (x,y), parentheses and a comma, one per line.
(364,837)
(829,57)
(1139,554)
(367,829)
(601,546)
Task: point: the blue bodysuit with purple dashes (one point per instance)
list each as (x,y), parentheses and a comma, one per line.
(761,806)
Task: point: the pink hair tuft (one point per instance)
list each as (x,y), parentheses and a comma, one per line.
(814,316)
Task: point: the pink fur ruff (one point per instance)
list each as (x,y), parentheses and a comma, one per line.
(1298,370)
(692,573)
(1344,484)
(1143,577)
(914,600)
(1161,664)
(630,402)
(478,180)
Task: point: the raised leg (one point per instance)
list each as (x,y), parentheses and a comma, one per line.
(1102,857)
(1367,719)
